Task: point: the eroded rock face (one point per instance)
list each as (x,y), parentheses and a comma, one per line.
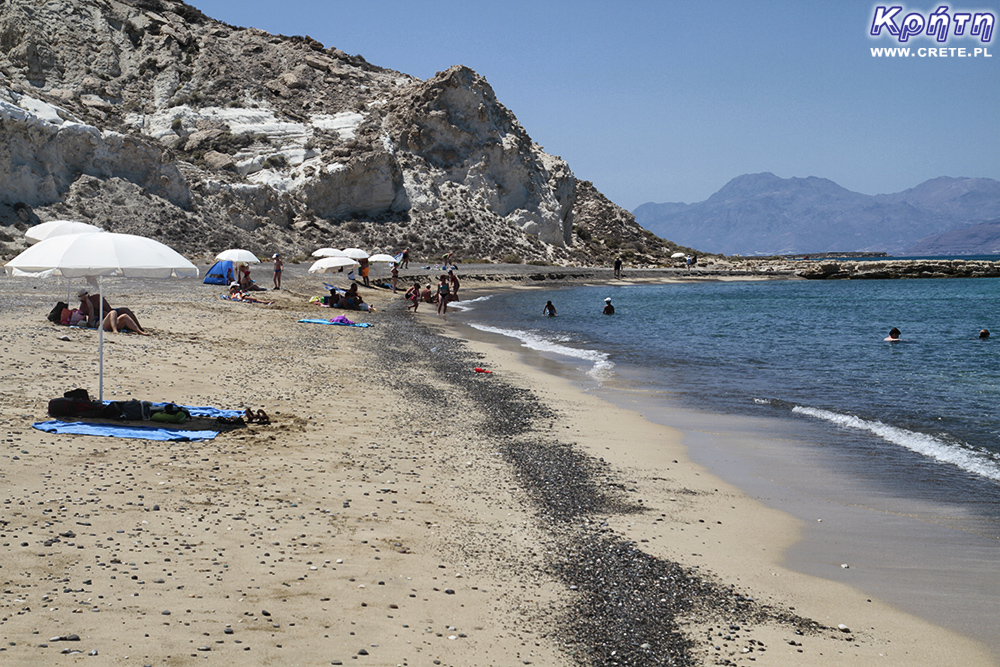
(46,148)
(454,124)
(277,138)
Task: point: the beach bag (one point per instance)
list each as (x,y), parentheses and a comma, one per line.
(76,407)
(171,414)
(129,410)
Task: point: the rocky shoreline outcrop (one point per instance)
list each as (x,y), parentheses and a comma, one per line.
(892,269)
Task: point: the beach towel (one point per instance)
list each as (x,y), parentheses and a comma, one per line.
(346,323)
(123,431)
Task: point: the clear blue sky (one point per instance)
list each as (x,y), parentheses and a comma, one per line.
(663,100)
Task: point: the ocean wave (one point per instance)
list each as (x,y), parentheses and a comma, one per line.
(982,463)
(600,369)
(468,304)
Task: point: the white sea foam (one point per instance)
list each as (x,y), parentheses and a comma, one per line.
(468,304)
(534,341)
(979,462)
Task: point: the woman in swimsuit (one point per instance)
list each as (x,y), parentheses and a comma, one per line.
(444,292)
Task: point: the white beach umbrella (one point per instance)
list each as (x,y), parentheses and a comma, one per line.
(331,264)
(382,257)
(105,254)
(355,253)
(59,228)
(238,256)
(677,254)
(329,252)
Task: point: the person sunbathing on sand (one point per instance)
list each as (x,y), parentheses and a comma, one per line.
(236,294)
(117,322)
(92,304)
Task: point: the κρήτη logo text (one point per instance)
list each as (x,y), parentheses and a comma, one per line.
(941,24)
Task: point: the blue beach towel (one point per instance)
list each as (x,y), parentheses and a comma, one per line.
(123,431)
(363,325)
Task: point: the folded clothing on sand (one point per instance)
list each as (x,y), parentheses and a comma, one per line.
(123,431)
(200,411)
(346,323)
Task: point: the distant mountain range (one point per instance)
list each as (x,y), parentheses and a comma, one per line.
(762,214)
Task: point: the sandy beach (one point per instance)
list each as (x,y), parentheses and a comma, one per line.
(399,509)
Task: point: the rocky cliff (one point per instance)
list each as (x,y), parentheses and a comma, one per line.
(147,116)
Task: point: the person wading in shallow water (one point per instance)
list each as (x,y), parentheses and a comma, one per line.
(549,309)
(608,308)
(444,294)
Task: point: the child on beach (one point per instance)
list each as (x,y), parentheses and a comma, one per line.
(413,296)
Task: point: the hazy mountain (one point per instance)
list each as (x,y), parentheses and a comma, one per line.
(762,214)
(982,239)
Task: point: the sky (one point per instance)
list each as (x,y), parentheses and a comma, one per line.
(666,101)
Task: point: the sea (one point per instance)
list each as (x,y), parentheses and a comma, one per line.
(900,440)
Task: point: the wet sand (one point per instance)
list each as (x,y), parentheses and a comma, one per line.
(399,509)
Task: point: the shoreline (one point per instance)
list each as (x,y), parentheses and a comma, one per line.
(399,504)
(514,354)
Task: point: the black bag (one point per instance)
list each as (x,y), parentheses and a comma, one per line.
(75,407)
(128,410)
(55,316)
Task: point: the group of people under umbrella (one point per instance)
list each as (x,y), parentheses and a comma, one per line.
(74,249)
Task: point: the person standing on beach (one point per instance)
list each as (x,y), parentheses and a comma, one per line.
(395,277)
(443,294)
(278,265)
(363,262)
(549,309)
(608,308)
(406,258)
(453,281)
(618,267)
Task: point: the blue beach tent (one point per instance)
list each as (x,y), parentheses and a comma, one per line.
(221,273)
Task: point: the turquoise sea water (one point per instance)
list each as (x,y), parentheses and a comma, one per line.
(921,416)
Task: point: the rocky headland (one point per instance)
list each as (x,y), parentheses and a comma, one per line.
(148,117)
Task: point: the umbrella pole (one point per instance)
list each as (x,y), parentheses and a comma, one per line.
(100,337)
